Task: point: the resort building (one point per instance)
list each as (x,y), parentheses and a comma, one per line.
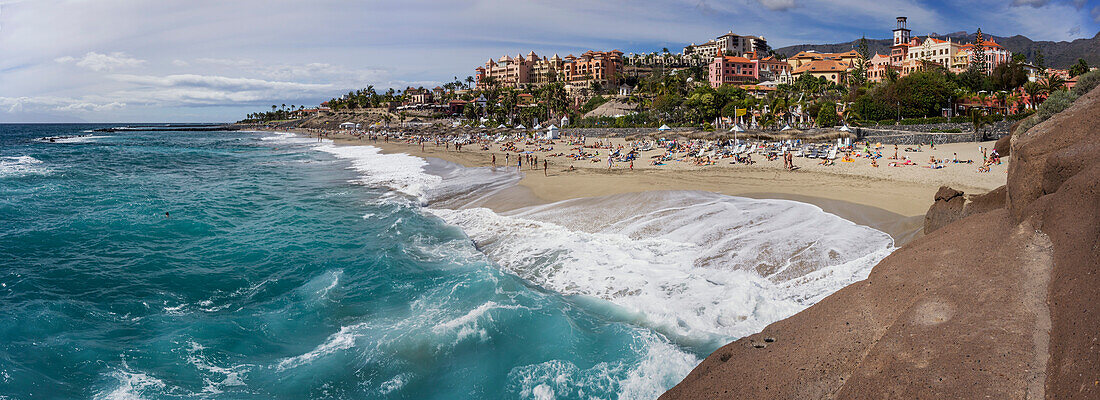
(933,50)
(900,49)
(729,43)
(521,71)
(805,57)
(879,65)
(995,55)
(601,67)
(748,69)
(834,71)
(732,70)
(908,55)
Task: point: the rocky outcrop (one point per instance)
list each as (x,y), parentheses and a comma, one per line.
(951,205)
(1004,146)
(947,208)
(1002,303)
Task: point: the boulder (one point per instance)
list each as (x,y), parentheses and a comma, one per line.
(1004,146)
(947,208)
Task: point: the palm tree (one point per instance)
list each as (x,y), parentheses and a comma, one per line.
(1053,83)
(1033,89)
(979,120)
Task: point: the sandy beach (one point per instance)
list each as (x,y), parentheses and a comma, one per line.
(892,199)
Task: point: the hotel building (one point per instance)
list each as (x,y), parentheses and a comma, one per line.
(741,70)
(729,43)
(519,71)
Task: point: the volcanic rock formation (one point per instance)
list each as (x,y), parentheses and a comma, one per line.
(1000,300)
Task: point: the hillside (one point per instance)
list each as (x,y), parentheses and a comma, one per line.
(1057,54)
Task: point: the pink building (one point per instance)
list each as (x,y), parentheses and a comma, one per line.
(995,55)
(732,70)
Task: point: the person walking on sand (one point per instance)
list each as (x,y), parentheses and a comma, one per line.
(494,159)
(545,168)
(609,162)
(631,165)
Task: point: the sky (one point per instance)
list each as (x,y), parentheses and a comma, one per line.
(215,61)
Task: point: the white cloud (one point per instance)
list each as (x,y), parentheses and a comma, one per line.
(102,62)
(1031,3)
(778,5)
(53,103)
(217,82)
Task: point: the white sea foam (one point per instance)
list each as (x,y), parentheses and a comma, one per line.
(342,340)
(131,386)
(662,365)
(400,172)
(290,138)
(20,166)
(396,383)
(232,376)
(79,139)
(699,267)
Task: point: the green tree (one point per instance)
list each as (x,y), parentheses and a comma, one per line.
(859,74)
(826,117)
(1033,90)
(1009,76)
(977,55)
(1079,68)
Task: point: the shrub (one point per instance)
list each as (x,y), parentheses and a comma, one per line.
(1017,117)
(1056,103)
(922,121)
(887,121)
(1086,82)
(960,119)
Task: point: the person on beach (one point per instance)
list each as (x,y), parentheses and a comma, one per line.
(545,168)
(494,159)
(631,165)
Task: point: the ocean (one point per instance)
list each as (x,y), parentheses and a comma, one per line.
(236,265)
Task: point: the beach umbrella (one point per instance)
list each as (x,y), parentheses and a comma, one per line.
(537,127)
(520,126)
(788,127)
(737,128)
(845,128)
(664,128)
(501,126)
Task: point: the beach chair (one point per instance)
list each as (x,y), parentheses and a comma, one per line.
(832,154)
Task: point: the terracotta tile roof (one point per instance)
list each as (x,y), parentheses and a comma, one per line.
(822,66)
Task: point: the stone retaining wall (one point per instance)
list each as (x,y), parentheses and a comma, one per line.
(914,134)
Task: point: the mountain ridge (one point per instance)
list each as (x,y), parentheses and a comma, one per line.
(1061,54)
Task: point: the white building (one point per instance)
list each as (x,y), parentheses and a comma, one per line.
(729,44)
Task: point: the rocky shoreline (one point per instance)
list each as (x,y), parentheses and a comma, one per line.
(998,300)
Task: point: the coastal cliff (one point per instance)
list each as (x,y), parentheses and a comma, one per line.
(1001,299)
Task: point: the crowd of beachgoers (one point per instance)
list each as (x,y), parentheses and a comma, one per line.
(521,148)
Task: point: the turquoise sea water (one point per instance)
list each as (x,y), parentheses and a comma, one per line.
(280,272)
